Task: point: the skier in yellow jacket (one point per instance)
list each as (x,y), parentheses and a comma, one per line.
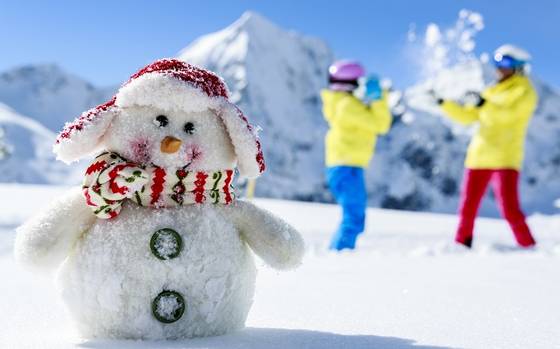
(350,143)
(496,150)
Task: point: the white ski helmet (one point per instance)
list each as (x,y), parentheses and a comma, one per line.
(514,52)
(510,56)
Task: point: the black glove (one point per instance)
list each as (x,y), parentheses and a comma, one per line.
(436,98)
(474,98)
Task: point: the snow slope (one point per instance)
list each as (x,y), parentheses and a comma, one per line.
(404,288)
(30,158)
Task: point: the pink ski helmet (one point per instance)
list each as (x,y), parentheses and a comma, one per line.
(344,75)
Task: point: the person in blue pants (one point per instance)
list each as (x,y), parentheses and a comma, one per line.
(350,142)
(347,184)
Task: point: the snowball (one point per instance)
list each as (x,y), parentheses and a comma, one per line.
(433,35)
(477,20)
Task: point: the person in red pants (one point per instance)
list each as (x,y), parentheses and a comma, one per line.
(504,184)
(495,153)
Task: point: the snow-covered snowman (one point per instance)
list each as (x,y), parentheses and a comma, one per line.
(154,245)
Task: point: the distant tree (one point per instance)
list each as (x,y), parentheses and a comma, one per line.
(4,147)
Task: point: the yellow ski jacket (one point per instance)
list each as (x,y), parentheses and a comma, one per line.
(503,120)
(354,127)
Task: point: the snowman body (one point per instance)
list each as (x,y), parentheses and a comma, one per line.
(112,279)
(153,245)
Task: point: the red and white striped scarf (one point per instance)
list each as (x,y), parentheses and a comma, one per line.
(111,179)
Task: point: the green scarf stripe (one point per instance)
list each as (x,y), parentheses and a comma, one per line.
(214,192)
(138,199)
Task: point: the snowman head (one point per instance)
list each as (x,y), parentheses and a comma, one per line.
(169,114)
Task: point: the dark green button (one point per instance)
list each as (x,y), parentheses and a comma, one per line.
(166,244)
(168,306)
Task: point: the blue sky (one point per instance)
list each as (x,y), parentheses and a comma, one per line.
(106,41)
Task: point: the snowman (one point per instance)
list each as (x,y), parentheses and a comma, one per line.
(154,244)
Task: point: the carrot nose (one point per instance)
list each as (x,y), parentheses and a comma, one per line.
(170,144)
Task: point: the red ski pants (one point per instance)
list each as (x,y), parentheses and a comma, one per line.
(504,184)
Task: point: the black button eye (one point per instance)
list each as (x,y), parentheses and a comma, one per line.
(189,128)
(161,121)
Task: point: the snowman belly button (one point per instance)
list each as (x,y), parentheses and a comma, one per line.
(168,306)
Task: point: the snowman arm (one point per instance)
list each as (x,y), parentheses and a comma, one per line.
(45,240)
(270,237)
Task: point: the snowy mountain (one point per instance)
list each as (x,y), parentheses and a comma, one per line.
(48,94)
(275,76)
(419,165)
(4,147)
(30,159)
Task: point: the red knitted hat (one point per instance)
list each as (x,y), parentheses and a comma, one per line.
(167,84)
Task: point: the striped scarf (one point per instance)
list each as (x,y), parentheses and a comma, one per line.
(110,179)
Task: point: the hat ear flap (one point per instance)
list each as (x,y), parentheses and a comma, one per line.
(247,147)
(83,135)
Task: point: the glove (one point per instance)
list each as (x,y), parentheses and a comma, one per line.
(437,99)
(373,89)
(474,98)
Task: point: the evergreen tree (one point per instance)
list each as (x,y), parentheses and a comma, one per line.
(4,148)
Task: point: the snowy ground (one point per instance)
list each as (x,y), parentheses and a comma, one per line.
(404,287)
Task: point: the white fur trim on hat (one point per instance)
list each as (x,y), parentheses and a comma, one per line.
(250,159)
(164,91)
(83,136)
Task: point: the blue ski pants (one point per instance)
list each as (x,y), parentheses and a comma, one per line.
(347,184)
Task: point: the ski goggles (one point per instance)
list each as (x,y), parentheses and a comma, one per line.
(504,61)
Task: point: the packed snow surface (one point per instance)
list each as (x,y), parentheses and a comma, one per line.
(405,287)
